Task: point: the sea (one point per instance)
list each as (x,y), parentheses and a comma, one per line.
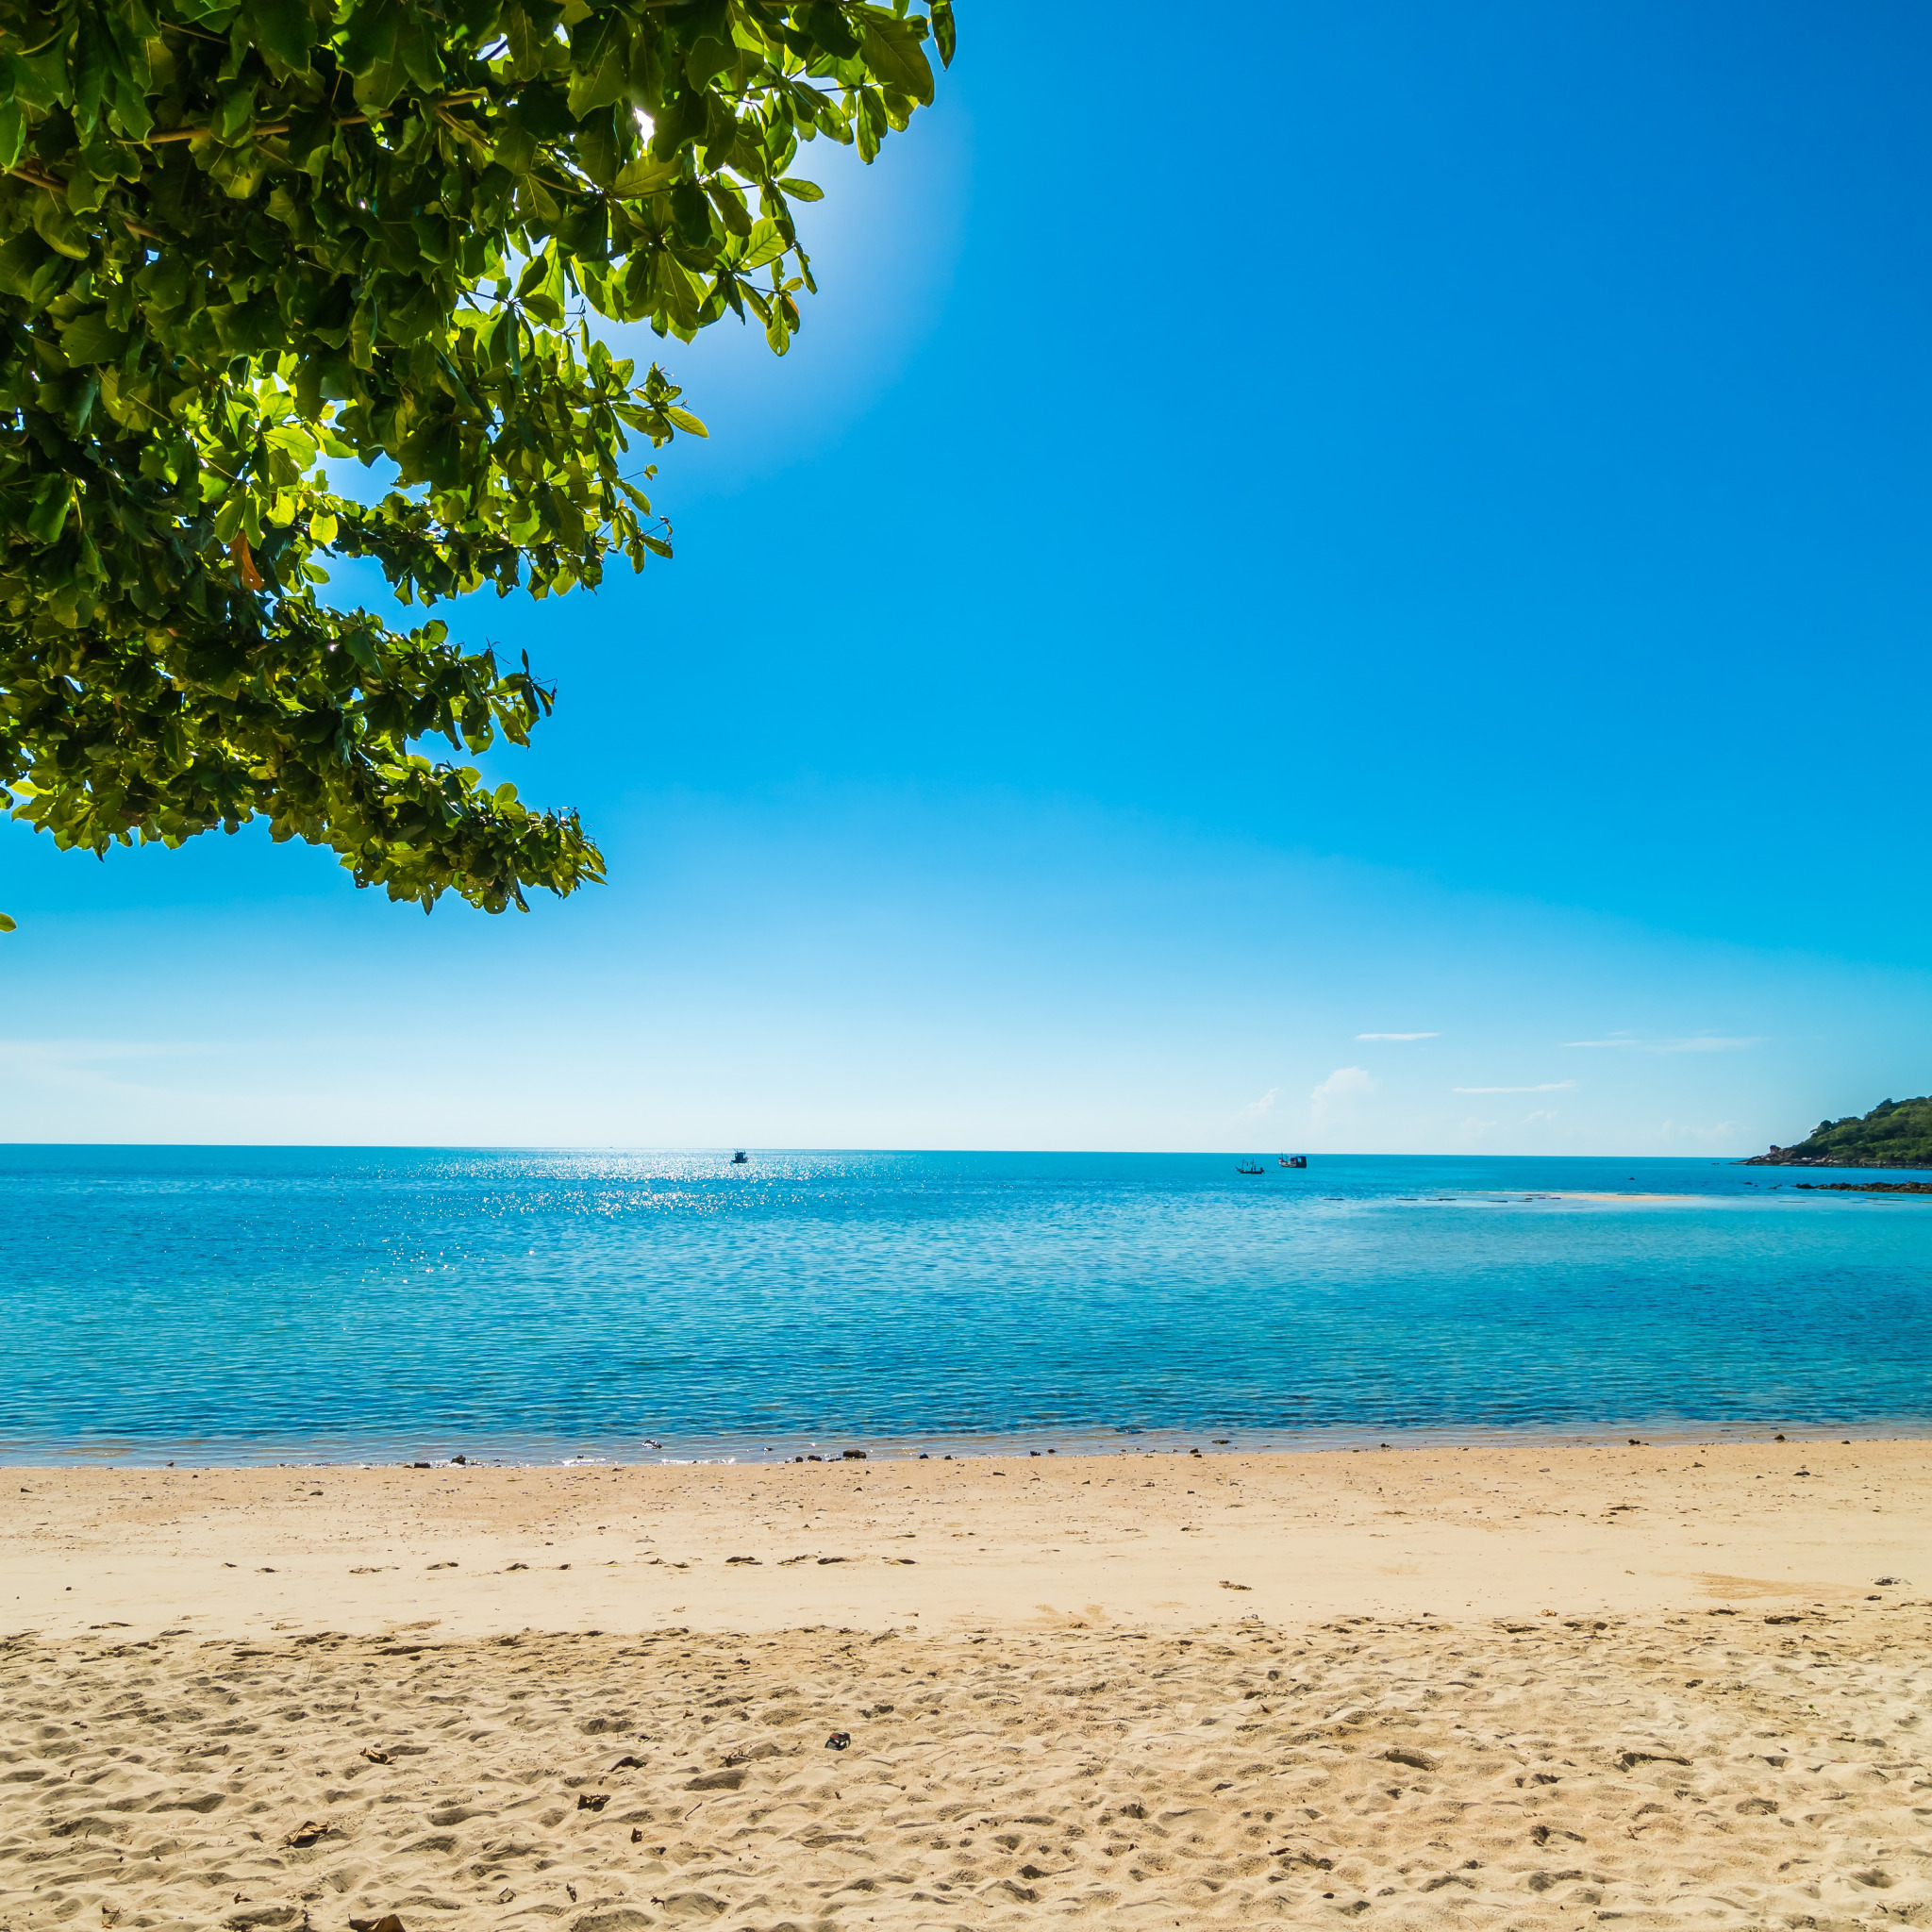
(212,1305)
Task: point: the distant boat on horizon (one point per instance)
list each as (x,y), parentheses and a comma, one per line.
(1257,1168)
(740,1159)
(1292,1160)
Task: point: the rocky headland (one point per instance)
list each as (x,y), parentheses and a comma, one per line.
(1896,1133)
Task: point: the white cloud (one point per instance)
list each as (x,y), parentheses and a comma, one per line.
(111,1072)
(1345,1084)
(1398,1035)
(1545,1087)
(86,1063)
(1702,1042)
(1259,1110)
(64,1052)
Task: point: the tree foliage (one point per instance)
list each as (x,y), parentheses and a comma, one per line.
(239,239)
(1896,1133)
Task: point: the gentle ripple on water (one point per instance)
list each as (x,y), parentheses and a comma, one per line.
(221,1304)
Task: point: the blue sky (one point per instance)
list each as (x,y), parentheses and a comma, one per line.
(1417,524)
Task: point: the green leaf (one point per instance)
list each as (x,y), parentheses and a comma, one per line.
(13,133)
(6,924)
(60,230)
(646,176)
(825,24)
(691,207)
(46,518)
(422,56)
(234,508)
(381,81)
(376,51)
(543,292)
(21,261)
(604,75)
(283,29)
(892,50)
(802,191)
(945,35)
(132,115)
(361,647)
(247,329)
(292,442)
(765,244)
(93,51)
(89,339)
(686,421)
(371,35)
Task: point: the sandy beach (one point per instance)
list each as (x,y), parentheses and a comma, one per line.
(1667,1684)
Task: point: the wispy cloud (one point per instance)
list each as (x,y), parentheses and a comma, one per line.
(41,1052)
(1344,1085)
(103,1066)
(1702,1042)
(1543,1087)
(1398,1035)
(1260,1109)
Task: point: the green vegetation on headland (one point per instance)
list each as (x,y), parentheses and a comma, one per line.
(1896,1133)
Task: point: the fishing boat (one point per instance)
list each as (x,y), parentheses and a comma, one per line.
(1292,1160)
(1240,1167)
(740,1159)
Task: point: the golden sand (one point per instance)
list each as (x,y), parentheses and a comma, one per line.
(1524,1686)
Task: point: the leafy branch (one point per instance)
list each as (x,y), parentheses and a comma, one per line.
(241,237)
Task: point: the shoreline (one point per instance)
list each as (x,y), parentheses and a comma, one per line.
(1147,1537)
(453,1448)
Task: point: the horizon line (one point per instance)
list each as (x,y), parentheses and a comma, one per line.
(727,1148)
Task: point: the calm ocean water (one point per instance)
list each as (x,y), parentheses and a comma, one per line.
(213,1304)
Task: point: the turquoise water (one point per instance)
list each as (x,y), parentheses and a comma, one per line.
(208,1303)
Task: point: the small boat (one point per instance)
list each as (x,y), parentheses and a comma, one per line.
(1292,1160)
(1257,1168)
(740,1159)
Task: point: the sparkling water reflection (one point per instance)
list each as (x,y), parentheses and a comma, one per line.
(217,1304)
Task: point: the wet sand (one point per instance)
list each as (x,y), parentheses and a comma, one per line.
(1524,1686)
